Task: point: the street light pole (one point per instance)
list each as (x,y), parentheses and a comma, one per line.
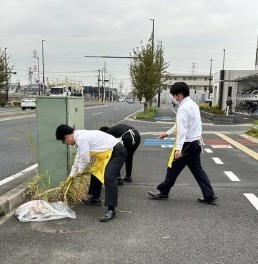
(223,59)
(109,84)
(159,87)
(210,88)
(38,75)
(221,84)
(43,66)
(152,35)
(99,84)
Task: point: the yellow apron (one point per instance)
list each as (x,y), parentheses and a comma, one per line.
(172,155)
(101,160)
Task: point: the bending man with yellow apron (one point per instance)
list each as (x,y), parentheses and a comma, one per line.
(109,155)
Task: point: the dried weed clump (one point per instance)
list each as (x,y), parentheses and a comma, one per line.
(71,191)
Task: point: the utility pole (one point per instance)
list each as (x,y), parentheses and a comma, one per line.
(38,75)
(160,61)
(223,59)
(99,84)
(6,75)
(152,35)
(30,72)
(121,86)
(112,90)
(210,87)
(221,84)
(102,84)
(104,88)
(109,88)
(43,66)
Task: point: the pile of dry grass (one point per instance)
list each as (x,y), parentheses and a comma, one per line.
(71,191)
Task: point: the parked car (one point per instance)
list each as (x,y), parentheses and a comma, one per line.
(129,100)
(28,103)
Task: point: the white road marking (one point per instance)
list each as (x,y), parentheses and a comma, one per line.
(252,199)
(217,161)
(208,150)
(97,113)
(221,146)
(231,176)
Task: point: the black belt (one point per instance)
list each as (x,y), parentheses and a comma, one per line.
(187,142)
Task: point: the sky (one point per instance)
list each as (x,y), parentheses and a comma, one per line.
(192,33)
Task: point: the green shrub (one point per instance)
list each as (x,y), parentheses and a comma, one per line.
(2,104)
(17,104)
(151,112)
(204,106)
(253,132)
(215,107)
(212,110)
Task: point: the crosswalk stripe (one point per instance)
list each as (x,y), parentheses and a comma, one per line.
(231,176)
(208,150)
(217,161)
(252,199)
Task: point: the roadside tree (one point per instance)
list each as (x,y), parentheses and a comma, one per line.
(5,72)
(147,72)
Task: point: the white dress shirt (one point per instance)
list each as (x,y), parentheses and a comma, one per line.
(188,125)
(90,141)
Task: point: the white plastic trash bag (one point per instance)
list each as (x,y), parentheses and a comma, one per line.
(40,210)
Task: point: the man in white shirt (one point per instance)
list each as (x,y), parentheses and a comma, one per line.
(110,156)
(187,148)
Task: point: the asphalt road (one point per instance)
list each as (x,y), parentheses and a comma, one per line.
(177,230)
(16,151)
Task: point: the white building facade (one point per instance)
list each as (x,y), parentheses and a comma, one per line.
(200,86)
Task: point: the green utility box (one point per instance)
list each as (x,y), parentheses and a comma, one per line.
(54,158)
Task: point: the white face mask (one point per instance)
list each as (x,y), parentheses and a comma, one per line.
(174,99)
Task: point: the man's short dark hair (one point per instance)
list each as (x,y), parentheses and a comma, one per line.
(104,128)
(179,87)
(62,131)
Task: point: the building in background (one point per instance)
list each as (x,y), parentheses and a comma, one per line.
(241,86)
(199,84)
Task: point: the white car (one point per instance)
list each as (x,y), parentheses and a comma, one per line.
(28,103)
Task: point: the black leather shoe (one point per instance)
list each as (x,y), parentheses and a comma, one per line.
(92,201)
(158,195)
(127,179)
(210,199)
(119,181)
(109,215)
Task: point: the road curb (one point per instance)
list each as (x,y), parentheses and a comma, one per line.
(12,199)
(16,115)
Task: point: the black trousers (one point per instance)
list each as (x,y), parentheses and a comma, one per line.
(190,157)
(130,149)
(112,171)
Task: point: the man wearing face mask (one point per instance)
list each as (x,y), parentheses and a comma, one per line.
(187,148)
